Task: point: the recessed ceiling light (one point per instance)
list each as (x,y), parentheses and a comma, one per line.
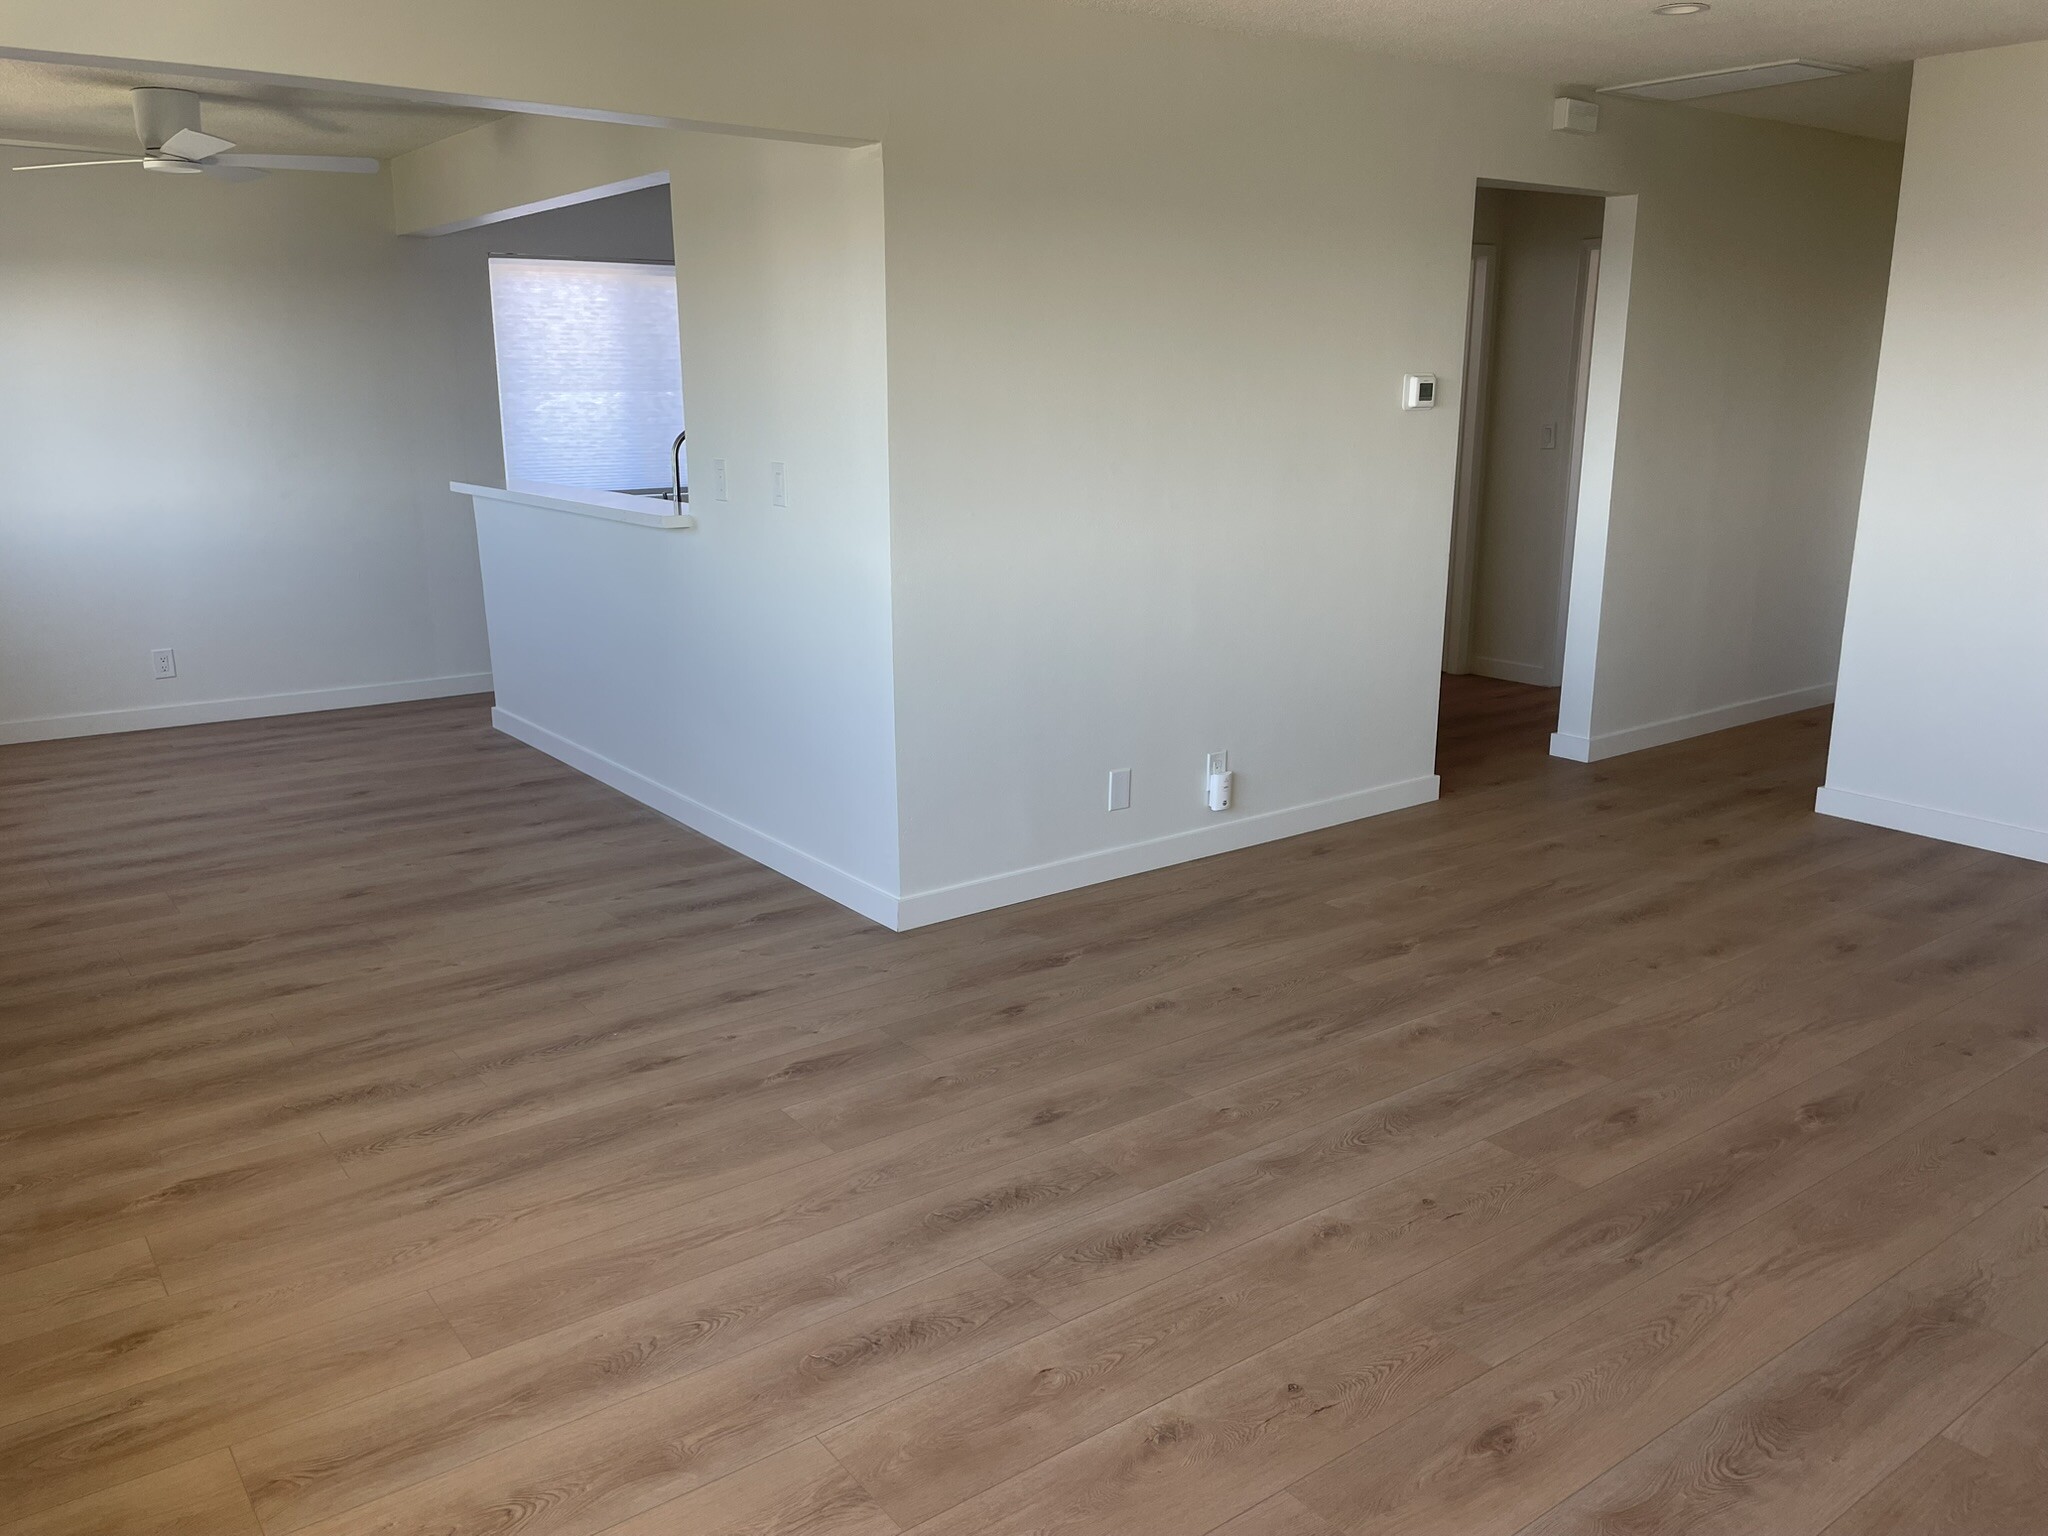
(1684,8)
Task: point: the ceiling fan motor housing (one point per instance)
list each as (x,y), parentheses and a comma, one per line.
(161,112)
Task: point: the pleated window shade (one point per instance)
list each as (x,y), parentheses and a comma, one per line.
(590,379)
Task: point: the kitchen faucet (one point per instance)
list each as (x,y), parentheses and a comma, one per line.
(675,458)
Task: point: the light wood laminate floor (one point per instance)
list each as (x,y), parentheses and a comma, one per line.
(400,1134)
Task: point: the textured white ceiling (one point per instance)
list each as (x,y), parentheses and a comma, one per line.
(88,108)
(1577,43)
(1611,42)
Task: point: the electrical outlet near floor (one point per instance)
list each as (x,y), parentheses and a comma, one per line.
(1120,789)
(1216,788)
(163,663)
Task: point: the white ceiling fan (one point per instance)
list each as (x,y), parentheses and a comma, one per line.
(167,123)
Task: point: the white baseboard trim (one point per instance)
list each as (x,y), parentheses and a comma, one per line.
(1514,671)
(940,905)
(1661,733)
(946,902)
(1576,748)
(157,717)
(1927,821)
(849,890)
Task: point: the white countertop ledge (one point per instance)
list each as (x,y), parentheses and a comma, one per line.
(611,506)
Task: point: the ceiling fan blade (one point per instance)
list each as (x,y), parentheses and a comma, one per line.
(191,144)
(53,146)
(349,163)
(221,172)
(73,165)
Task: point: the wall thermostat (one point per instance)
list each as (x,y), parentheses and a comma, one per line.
(1418,392)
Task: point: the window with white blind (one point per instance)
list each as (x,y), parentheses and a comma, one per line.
(590,380)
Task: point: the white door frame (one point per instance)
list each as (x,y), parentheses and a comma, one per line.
(1582,380)
(1592,506)
(1471,484)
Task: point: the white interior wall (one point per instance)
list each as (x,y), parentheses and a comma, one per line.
(737,675)
(1178,276)
(228,416)
(1151,291)
(1753,328)
(1941,726)
(1518,583)
(221,410)
(779,253)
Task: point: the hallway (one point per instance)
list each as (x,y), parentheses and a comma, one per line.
(1491,732)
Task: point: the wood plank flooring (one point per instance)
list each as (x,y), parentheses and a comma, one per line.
(401,1134)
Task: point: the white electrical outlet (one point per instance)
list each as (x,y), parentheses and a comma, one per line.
(163,664)
(1120,789)
(718,480)
(778,484)
(1216,788)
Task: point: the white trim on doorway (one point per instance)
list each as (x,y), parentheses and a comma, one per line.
(1469,494)
(1582,382)
(1593,506)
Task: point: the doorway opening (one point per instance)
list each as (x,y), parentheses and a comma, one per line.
(1528,380)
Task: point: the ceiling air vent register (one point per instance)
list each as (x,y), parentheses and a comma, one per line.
(1723,82)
